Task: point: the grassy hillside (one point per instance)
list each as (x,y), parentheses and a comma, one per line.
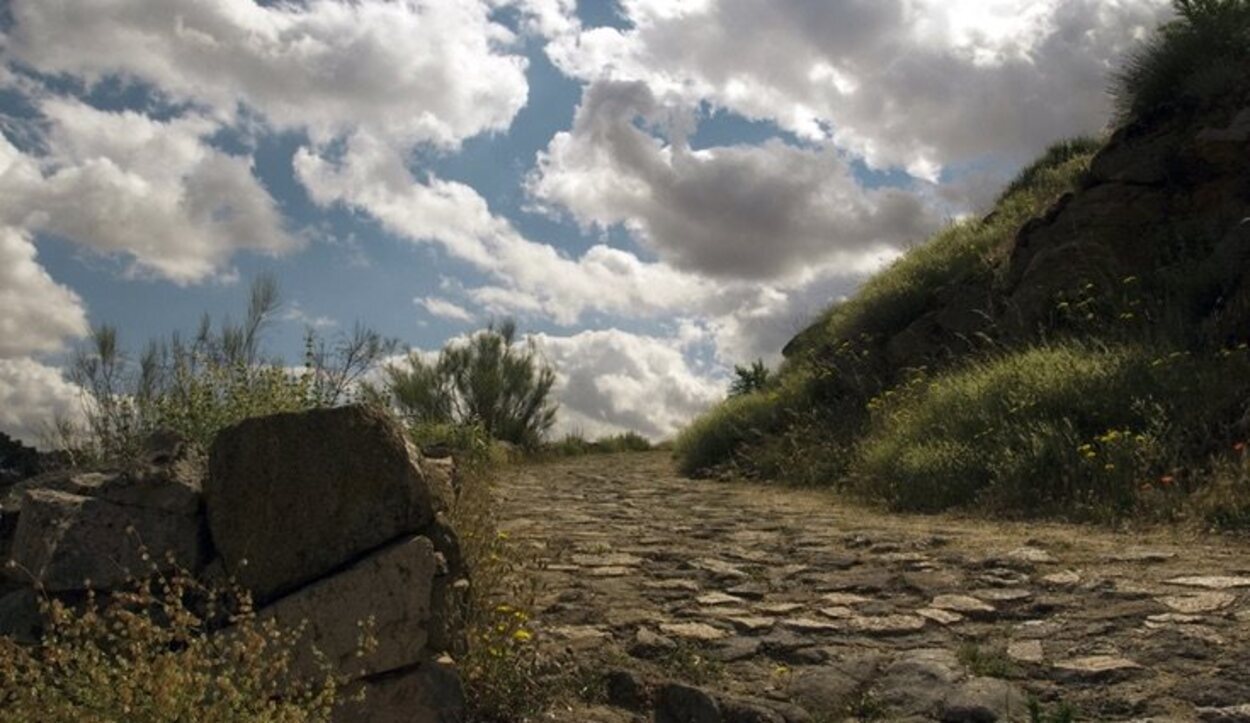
(1080,350)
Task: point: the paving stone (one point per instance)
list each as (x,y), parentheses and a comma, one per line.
(941,617)
(648,644)
(1098,667)
(842,599)
(693,631)
(719,568)
(889,624)
(752,624)
(965,605)
(779,608)
(982,700)
(811,625)
(1211,582)
(1026,651)
(1067,578)
(1203,602)
(1032,555)
(719,598)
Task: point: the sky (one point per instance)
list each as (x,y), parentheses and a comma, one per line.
(656,190)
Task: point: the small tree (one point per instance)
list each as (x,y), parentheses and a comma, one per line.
(491,381)
(749,379)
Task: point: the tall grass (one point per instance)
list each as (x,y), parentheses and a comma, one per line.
(1200,57)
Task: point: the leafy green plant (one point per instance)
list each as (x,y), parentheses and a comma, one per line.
(491,380)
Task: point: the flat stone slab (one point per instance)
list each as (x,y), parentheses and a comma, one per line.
(1203,602)
(1228,714)
(838,613)
(842,599)
(617,559)
(1097,667)
(752,624)
(964,605)
(1211,582)
(779,608)
(889,624)
(1031,554)
(719,598)
(718,567)
(1143,556)
(811,625)
(1026,651)
(693,631)
(939,616)
(1067,578)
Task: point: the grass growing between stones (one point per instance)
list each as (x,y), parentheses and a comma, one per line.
(690,663)
(156,653)
(986,661)
(499,664)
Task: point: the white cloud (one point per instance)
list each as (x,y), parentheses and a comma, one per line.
(36,313)
(32,396)
(121,183)
(416,70)
(918,84)
(531,276)
(612,381)
(757,212)
(444,309)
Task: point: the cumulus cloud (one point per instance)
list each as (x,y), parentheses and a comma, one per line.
(122,183)
(444,309)
(531,276)
(611,381)
(32,396)
(36,313)
(757,212)
(918,84)
(416,70)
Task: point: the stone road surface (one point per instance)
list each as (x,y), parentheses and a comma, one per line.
(788,605)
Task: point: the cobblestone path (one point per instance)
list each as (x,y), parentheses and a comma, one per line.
(712,601)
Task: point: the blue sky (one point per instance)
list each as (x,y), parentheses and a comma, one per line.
(656,189)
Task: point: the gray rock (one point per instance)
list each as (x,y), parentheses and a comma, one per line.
(1229,714)
(823,690)
(429,693)
(627,689)
(741,710)
(983,700)
(291,497)
(919,681)
(20,618)
(392,587)
(648,645)
(678,703)
(70,542)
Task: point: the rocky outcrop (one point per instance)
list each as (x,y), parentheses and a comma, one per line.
(331,518)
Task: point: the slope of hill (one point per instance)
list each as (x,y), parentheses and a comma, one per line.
(1079,350)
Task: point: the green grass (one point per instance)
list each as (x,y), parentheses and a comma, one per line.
(576,445)
(1066,429)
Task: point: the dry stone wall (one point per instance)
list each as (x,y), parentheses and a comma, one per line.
(330,517)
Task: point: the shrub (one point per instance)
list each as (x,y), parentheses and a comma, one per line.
(155,653)
(1199,57)
(490,381)
(217,378)
(717,437)
(749,379)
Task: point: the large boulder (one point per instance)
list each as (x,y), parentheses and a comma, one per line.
(67,542)
(391,588)
(294,497)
